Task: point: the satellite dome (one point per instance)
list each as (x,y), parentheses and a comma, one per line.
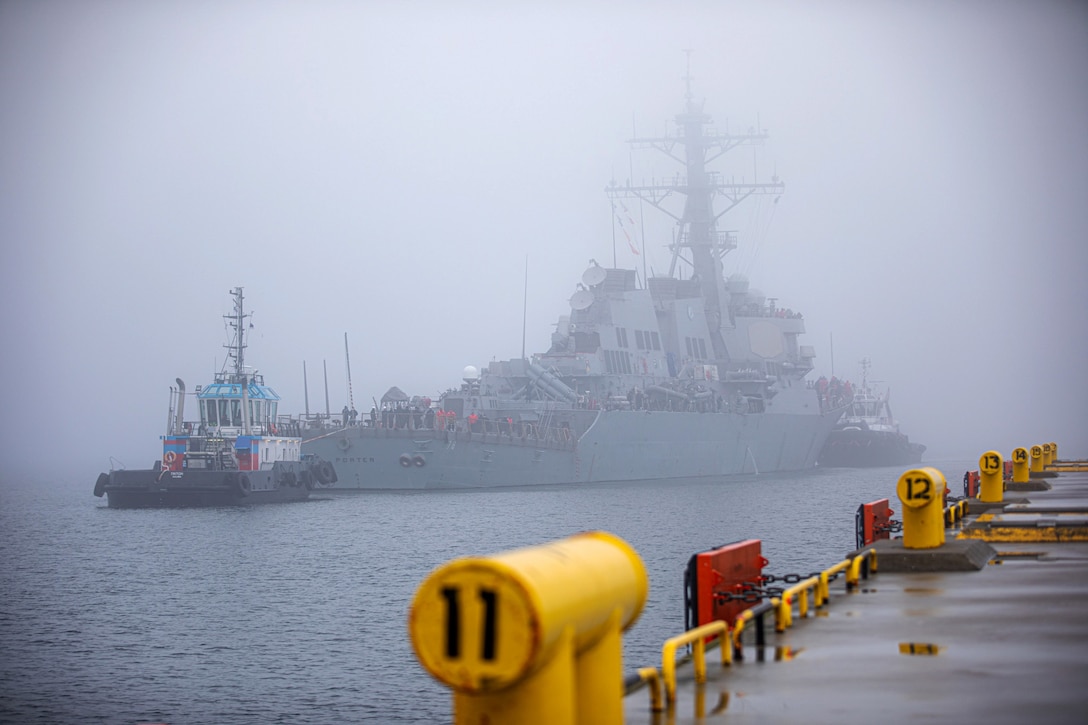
(470,373)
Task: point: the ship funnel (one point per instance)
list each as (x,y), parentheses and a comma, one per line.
(179,421)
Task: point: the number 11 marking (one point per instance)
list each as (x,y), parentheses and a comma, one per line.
(490,600)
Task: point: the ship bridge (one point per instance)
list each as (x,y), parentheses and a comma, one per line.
(222,402)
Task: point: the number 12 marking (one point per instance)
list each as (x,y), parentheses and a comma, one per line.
(490,599)
(924,494)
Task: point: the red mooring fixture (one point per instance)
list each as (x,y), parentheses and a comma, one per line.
(723,571)
(873,521)
(971,484)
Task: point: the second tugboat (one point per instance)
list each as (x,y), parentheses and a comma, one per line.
(236,454)
(868,435)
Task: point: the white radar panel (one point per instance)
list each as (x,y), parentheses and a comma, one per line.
(581,300)
(594,276)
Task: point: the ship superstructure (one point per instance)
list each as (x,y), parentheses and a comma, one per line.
(687,374)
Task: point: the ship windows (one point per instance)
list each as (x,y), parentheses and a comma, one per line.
(236,412)
(224,412)
(616,362)
(621,336)
(210,413)
(696,347)
(647,340)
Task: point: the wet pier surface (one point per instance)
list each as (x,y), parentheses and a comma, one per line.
(1005,644)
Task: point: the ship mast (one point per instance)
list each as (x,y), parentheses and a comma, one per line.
(698,241)
(236,348)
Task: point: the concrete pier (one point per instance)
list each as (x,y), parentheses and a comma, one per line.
(1007,643)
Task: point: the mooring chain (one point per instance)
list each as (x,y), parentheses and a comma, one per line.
(753,593)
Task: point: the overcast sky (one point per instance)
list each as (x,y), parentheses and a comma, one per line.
(385,169)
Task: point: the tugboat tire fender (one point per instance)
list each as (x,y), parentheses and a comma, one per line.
(100,484)
(323,472)
(406,460)
(328,471)
(419,461)
(307,479)
(244,484)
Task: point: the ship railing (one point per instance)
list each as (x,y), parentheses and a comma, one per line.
(519,433)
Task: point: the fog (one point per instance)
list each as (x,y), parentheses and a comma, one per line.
(389,170)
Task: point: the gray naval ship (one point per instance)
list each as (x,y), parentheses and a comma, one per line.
(685,376)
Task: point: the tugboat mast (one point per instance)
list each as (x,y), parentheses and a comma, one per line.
(237,346)
(698,242)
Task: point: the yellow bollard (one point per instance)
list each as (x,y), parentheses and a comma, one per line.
(1053,452)
(1048,455)
(1020,465)
(991,485)
(922,491)
(1036,459)
(532,635)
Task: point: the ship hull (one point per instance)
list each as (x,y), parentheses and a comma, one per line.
(154,488)
(853,448)
(617,446)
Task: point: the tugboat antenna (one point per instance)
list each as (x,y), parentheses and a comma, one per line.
(347,358)
(305,390)
(236,348)
(525,307)
(325,367)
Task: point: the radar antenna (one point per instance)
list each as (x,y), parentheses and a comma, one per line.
(698,241)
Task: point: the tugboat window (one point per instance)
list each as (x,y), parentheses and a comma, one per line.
(224,412)
(236,412)
(212,418)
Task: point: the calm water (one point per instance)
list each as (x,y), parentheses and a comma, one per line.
(296,612)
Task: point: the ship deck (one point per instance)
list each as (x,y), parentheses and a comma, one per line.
(1005,644)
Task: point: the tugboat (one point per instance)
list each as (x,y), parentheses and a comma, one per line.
(238,453)
(868,435)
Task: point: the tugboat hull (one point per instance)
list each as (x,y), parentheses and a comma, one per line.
(853,448)
(154,488)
